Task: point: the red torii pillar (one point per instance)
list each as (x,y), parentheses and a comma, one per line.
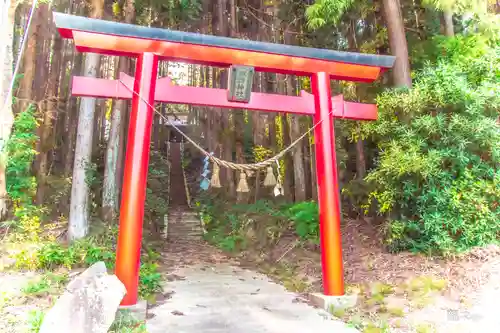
(150,44)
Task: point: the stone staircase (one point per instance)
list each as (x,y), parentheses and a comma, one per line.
(182,224)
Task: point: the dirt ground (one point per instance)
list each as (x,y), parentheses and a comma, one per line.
(17,312)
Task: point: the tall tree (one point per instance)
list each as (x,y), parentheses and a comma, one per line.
(397,42)
(49,113)
(71,119)
(299,172)
(33,40)
(449,30)
(79,208)
(324,12)
(7,22)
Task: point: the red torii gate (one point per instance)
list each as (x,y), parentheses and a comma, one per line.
(150,45)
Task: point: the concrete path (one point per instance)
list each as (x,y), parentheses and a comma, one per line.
(222,298)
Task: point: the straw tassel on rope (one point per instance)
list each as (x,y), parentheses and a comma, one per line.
(278,189)
(215,180)
(242,184)
(270,179)
(234,166)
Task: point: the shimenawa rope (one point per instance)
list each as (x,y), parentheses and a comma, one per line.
(245,169)
(227,164)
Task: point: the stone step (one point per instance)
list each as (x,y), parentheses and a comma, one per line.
(191,232)
(183,217)
(185,229)
(181,221)
(184,238)
(184,226)
(181,230)
(181,212)
(185,232)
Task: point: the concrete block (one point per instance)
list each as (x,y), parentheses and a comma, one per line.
(329,303)
(137,312)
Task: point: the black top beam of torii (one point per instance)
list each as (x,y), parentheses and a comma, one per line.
(109,37)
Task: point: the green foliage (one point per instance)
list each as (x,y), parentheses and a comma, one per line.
(21,184)
(36,288)
(35,320)
(232,243)
(261,153)
(81,253)
(116,8)
(21,152)
(156,206)
(228,227)
(127,323)
(480,19)
(91,174)
(457,6)
(86,252)
(324,12)
(453,51)
(305,218)
(28,222)
(46,284)
(169,13)
(437,175)
(225,230)
(149,280)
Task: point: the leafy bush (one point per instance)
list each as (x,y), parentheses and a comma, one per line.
(437,176)
(85,252)
(305,218)
(225,230)
(21,152)
(227,226)
(149,279)
(50,255)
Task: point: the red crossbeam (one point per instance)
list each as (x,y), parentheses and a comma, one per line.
(218,56)
(167,92)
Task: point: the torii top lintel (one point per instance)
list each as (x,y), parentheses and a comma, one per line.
(112,38)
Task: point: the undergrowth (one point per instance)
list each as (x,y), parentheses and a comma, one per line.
(46,284)
(51,256)
(35,320)
(231,227)
(437,178)
(28,234)
(127,323)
